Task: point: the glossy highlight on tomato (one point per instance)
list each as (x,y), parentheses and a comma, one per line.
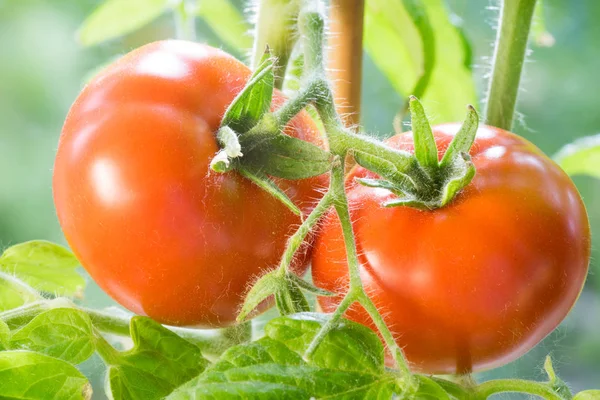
(157,230)
(475,284)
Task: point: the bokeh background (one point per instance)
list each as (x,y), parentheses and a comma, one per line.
(43,67)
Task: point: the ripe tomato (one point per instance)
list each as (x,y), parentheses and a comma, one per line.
(158,231)
(475,284)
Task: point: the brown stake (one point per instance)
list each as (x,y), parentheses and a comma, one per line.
(345,56)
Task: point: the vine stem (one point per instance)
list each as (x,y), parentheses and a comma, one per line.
(509,56)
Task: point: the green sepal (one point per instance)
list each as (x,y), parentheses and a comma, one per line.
(464,139)
(284,156)
(381,183)
(267,285)
(410,201)
(462,173)
(309,287)
(385,169)
(291,300)
(425,148)
(265,183)
(254,100)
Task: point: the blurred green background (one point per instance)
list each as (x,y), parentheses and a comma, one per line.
(43,68)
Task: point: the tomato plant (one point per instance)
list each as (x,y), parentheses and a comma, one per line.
(477,283)
(132,175)
(190,189)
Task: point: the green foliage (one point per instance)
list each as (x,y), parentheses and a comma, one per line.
(46,266)
(159,361)
(348,365)
(63,333)
(32,376)
(582,157)
(115,18)
(417,47)
(227,22)
(14,293)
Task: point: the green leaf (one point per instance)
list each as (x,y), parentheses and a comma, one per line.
(394,39)
(425,148)
(268,369)
(115,18)
(582,157)
(159,361)
(4,336)
(14,293)
(284,156)
(430,390)
(227,23)
(266,184)
(45,266)
(253,101)
(267,285)
(349,346)
(34,376)
(64,333)
(588,395)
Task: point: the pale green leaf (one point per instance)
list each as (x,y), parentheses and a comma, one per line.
(44,265)
(4,336)
(394,43)
(64,333)
(227,23)
(115,18)
(582,157)
(14,293)
(27,375)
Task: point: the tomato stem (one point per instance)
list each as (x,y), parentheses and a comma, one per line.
(507,64)
(275,27)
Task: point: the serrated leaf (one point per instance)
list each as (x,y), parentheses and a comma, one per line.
(394,43)
(582,157)
(267,285)
(266,184)
(44,265)
(114,18)
(245,371)
(349,346)
(588,395)
(430,390)
(14,293)
(284,156)
(4,336)
(159,361)
(64,333)
(226,22)
(27,375)
(253,101)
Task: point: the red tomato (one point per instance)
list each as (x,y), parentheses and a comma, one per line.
(475,284)
(157,230)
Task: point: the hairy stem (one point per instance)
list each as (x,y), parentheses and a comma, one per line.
(509,56)
(296,240)
(275,27)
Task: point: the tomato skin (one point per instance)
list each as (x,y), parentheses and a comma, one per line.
(478,283)
(158,231)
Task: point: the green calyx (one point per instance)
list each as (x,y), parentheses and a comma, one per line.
(427,183)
